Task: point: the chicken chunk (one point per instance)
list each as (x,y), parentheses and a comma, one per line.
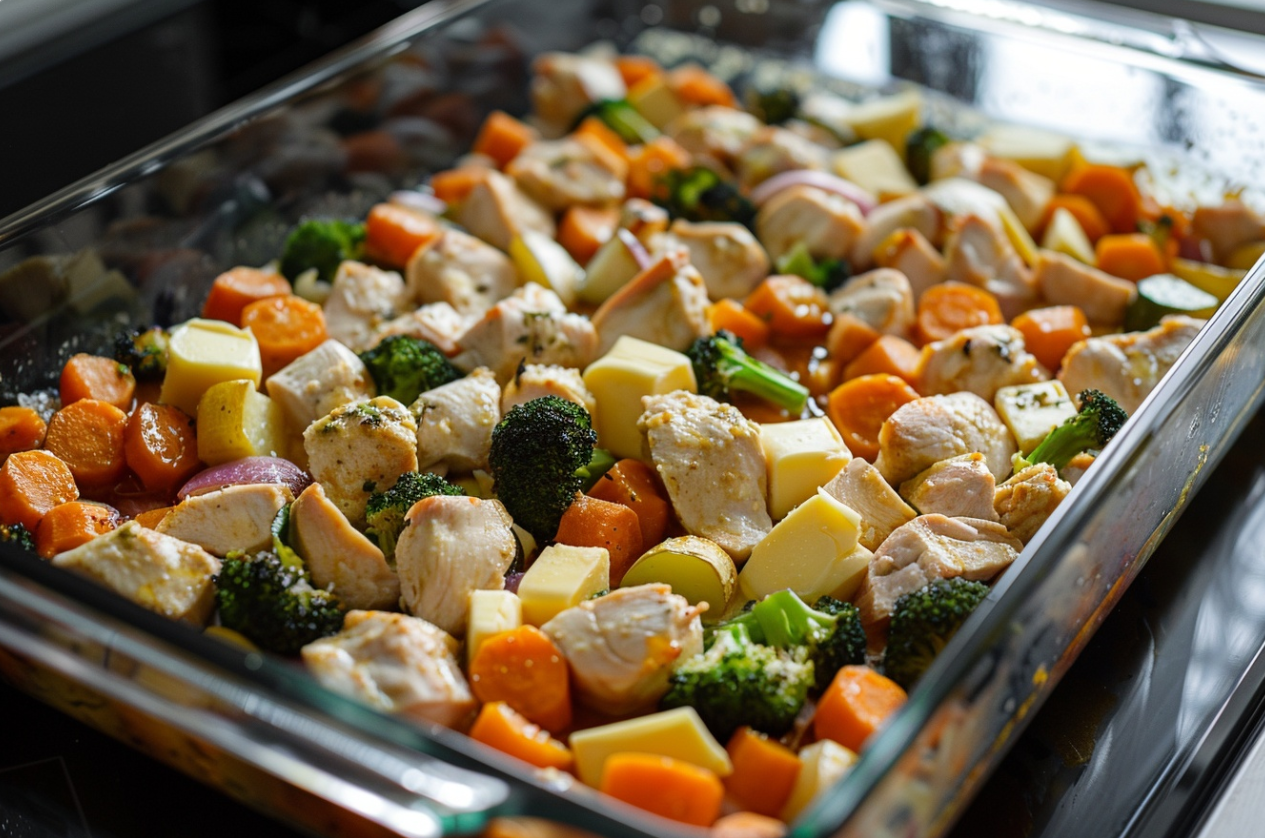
(558,174)
(155,571)
(931,547)
(1066,281)
(329,376)
(465,272)
(338,556)
(536,381)
(1127,367)
(394,663)
(234,518)
(980,360)
(1228,227)
(959,487)
(532,326)
(361,448)
(882,298)
(711,462)
(978,253)
(715,131)
(1028,498)
(730,259)
(644,220)
(827,224)
(362,299)
(925,431)
(564,84)
(497,211)
(909,252)
(1026,192)
(437,323)
(455,422)
(664,304)
(623,646)
(451,547)
(772,150)
(861,488)
(912,212)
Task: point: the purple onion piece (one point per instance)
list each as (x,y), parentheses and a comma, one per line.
(638,250)
(511,582)
(821,180)
(247,471)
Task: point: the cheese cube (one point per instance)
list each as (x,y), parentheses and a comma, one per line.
(876,167)
(1064,235)
(824,763)
(802,456)
(890,118)
(851,570)
(677,733)
(491,612)
(1037,151)
(655,100)
(560,578)
(619,379)
(808,551)
(235,420)
(1031,411)
(201,354)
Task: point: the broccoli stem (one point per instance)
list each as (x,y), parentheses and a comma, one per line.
(786,620)
(597,466)
(749,375)
(1064,442)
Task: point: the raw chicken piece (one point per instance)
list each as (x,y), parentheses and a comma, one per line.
(329,376)
(1028,498)
(362,299)
(925,431)
(437,323)
(536,381)
(234,518)
(711,462)
(564,84)
(909,252)
(455,422)
(664,304)
(959,487)
(1127,367)
(467,273)
(882,298)
(726,254)
(980,360)
(623,646)
(533,326)
(978,253)
(1064,281)
(715,131)
(496,210)
(772,150)
(826,223)
(860,487)
(394,663)
(914,212)
(449,548)
(558,174)
(338,556)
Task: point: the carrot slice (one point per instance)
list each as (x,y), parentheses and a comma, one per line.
(394,233)
(733,316)
(161,447)
(500,726)
(524,669)
(233,290)
(635,485)
(584,229)
(1082,209)
(859,408)
(590,522)
(21,429)
(635,68)
(889,355)
(70,525)
(151,518)
(32,483)
(764,772)
(649,163)
(793,307)
(453,185)
(695,86)
(667,787)
(95,377)
(946,309)
(1112,190)
(594,130)
(285,327)
(856,704)
(88,436)
(1130,256)
(1049,332)
(502,137)
(849,336)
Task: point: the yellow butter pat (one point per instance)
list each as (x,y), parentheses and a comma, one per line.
(802,456)
(201,354)
(562,577)
(619,379)
(807,551)
(677,733)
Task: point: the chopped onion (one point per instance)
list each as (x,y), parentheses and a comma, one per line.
(512,580)
(424,201)
(638,250)
(821,180)
(247,471)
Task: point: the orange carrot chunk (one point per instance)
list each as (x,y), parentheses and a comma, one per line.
(696,86)
(88,436)
(590,522)
(71,525)
(1082,209)
(394,233)
(667,787)
(502,137)
(946,309)
(1130,256)
(609,144)
(95,377)
(161,447)
(233,290)
(634,484)
(524,669)
(764,772)
(889,355)
(649,163)
(151,518)
(453,185)
(21,429)
(849,336)
(1049,332)
(733,316)
(1112,190)
(793,307)
(860,406)
(584,229)
(285,327)
(856,704)
(500,726)
(635,68)
(32,483)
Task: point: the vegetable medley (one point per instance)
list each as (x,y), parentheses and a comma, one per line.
(665,440)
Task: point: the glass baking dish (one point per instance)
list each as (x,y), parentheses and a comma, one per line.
(142,240)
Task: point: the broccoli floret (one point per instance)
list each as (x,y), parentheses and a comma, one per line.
(923,622)
(542,454)
(699,194)
(722,366)
(323,244)
(920,147)
(144,350)
(404,367)
(272,602)
(17,534)
(828,634)
(1099,419)
(386,510)
(826,274)
(740,682)
(623,119)
(773,106)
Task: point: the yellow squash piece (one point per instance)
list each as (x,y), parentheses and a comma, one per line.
(618,380)
(809,551)
(203,353)
(891,118)
(235,420)
(1064,235)
(802,456)
(1218,281)
(654,99)
(695,568)
(542,260)
(491,612)
(876,167)
(678,733)
(824,763)
(561,577)
(1043,152)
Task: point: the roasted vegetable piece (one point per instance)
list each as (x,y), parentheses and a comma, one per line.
(920,147)
(1099,419)
(774,106)
(144,350)
(623,119)
(386,510)
(271,601)
(923,622)
(722,366)
(699,194)
(404,367)
(323,244)
(826,274)
(829,634)
(17,534)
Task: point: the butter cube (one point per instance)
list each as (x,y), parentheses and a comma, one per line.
(677,733)
(876,167)
(201,354)
(491,612)
(235,420)
(823,764)
(560,578)
(619,379)
(802,456)
(1031,411)
(808,551)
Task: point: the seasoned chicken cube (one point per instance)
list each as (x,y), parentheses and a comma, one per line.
(1064,281)
(715,131)
(861,488)
(234,518)
(1027,192)
(558,174)
(451,547)
(979,253)
(437,323)
(535,381)
(1028,498)
(925,431)
(912,212)
(711,462)
(155,571)
(329,376)
(730,259)
(909,252)
(980,360)
(827,224)
(465,272)
(930,547)
(1228,227)
(1127,367)
(564,84)
(496,210)
(359,449)
(530,326)
(362,299)
(882,298)
(959,487)
(338,556)
(394,663)
(623,646)
(772,150)
(455,422)
(664,304)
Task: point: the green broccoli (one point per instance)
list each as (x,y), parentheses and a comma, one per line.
(740,682)
(323,244)
(404,367)
(1099,419)
(386,510)
(542,454)
(828,634)
(699,194)
(920,147)
(923,622)
(826,274)
(623,119)
(775,106)
(270,600)
(722,367)
(144,350)
(17,534)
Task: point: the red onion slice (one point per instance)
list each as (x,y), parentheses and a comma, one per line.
(638,250)
(821,180)
(246,472)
